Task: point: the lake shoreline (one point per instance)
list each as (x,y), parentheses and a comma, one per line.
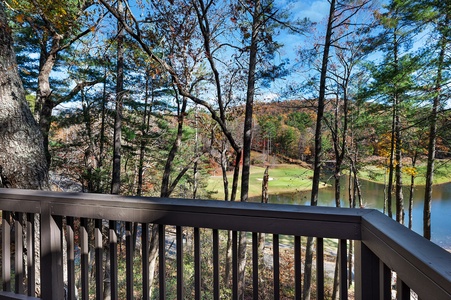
(298,178)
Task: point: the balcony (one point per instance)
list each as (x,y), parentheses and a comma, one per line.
(381,246)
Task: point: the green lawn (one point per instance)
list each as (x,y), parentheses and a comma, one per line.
(379,174)
(286,178)
(283,178)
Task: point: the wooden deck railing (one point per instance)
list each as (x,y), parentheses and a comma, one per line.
(381,246)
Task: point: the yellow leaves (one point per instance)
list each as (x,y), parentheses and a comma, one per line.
(412,171)
(61,14)
(384,145)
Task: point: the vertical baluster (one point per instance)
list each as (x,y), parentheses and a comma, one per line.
(320,268)
(179,242)
(129,260)
(6,250)
(162,260)
(255,265)
(297,267)
(18,256)
(197,265)
(51,255)
(343,270)
(70,258)
(84,247)
(384,280)
(113,259)
(145,259)
(98,258)
(215,264)
(235,264)
(275,245)
(31,279)
(367,274)
(402,290)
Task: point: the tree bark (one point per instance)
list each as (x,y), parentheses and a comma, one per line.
(116,171)
(318,149)
(398,172)
(116,178)
(22,159)
(247,139)
(144,132)
(433,139)
(44,104)
(411,189)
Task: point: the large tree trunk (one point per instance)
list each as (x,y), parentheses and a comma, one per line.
(22,159)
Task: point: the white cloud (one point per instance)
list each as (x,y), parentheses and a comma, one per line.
(316,11)
(268,97)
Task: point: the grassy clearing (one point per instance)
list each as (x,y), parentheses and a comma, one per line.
(287,178)
(283,178)
(379,174)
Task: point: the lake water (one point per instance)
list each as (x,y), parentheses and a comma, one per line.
(373,197)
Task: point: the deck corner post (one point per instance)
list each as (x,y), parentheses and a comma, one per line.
(52,287)
(366,273)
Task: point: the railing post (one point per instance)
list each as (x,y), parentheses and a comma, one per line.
(31,232)
(366,273)
(18,256)
(6,250)
(51,255)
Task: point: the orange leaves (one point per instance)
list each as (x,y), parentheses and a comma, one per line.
(20,18)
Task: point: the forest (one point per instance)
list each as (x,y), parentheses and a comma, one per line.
(151,98)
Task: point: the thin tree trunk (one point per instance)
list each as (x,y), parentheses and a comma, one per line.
(116,176)
(153,254)
(336,283)
(398,190)
(144,137)
(100,187)
(391,168)
(225,180)
(88,155)
(44,104)
(116,172)
(261,235)
(411,190)
(307,289)
(166,189)
(247,140)
(236,173)
(196,149)
(433,138)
